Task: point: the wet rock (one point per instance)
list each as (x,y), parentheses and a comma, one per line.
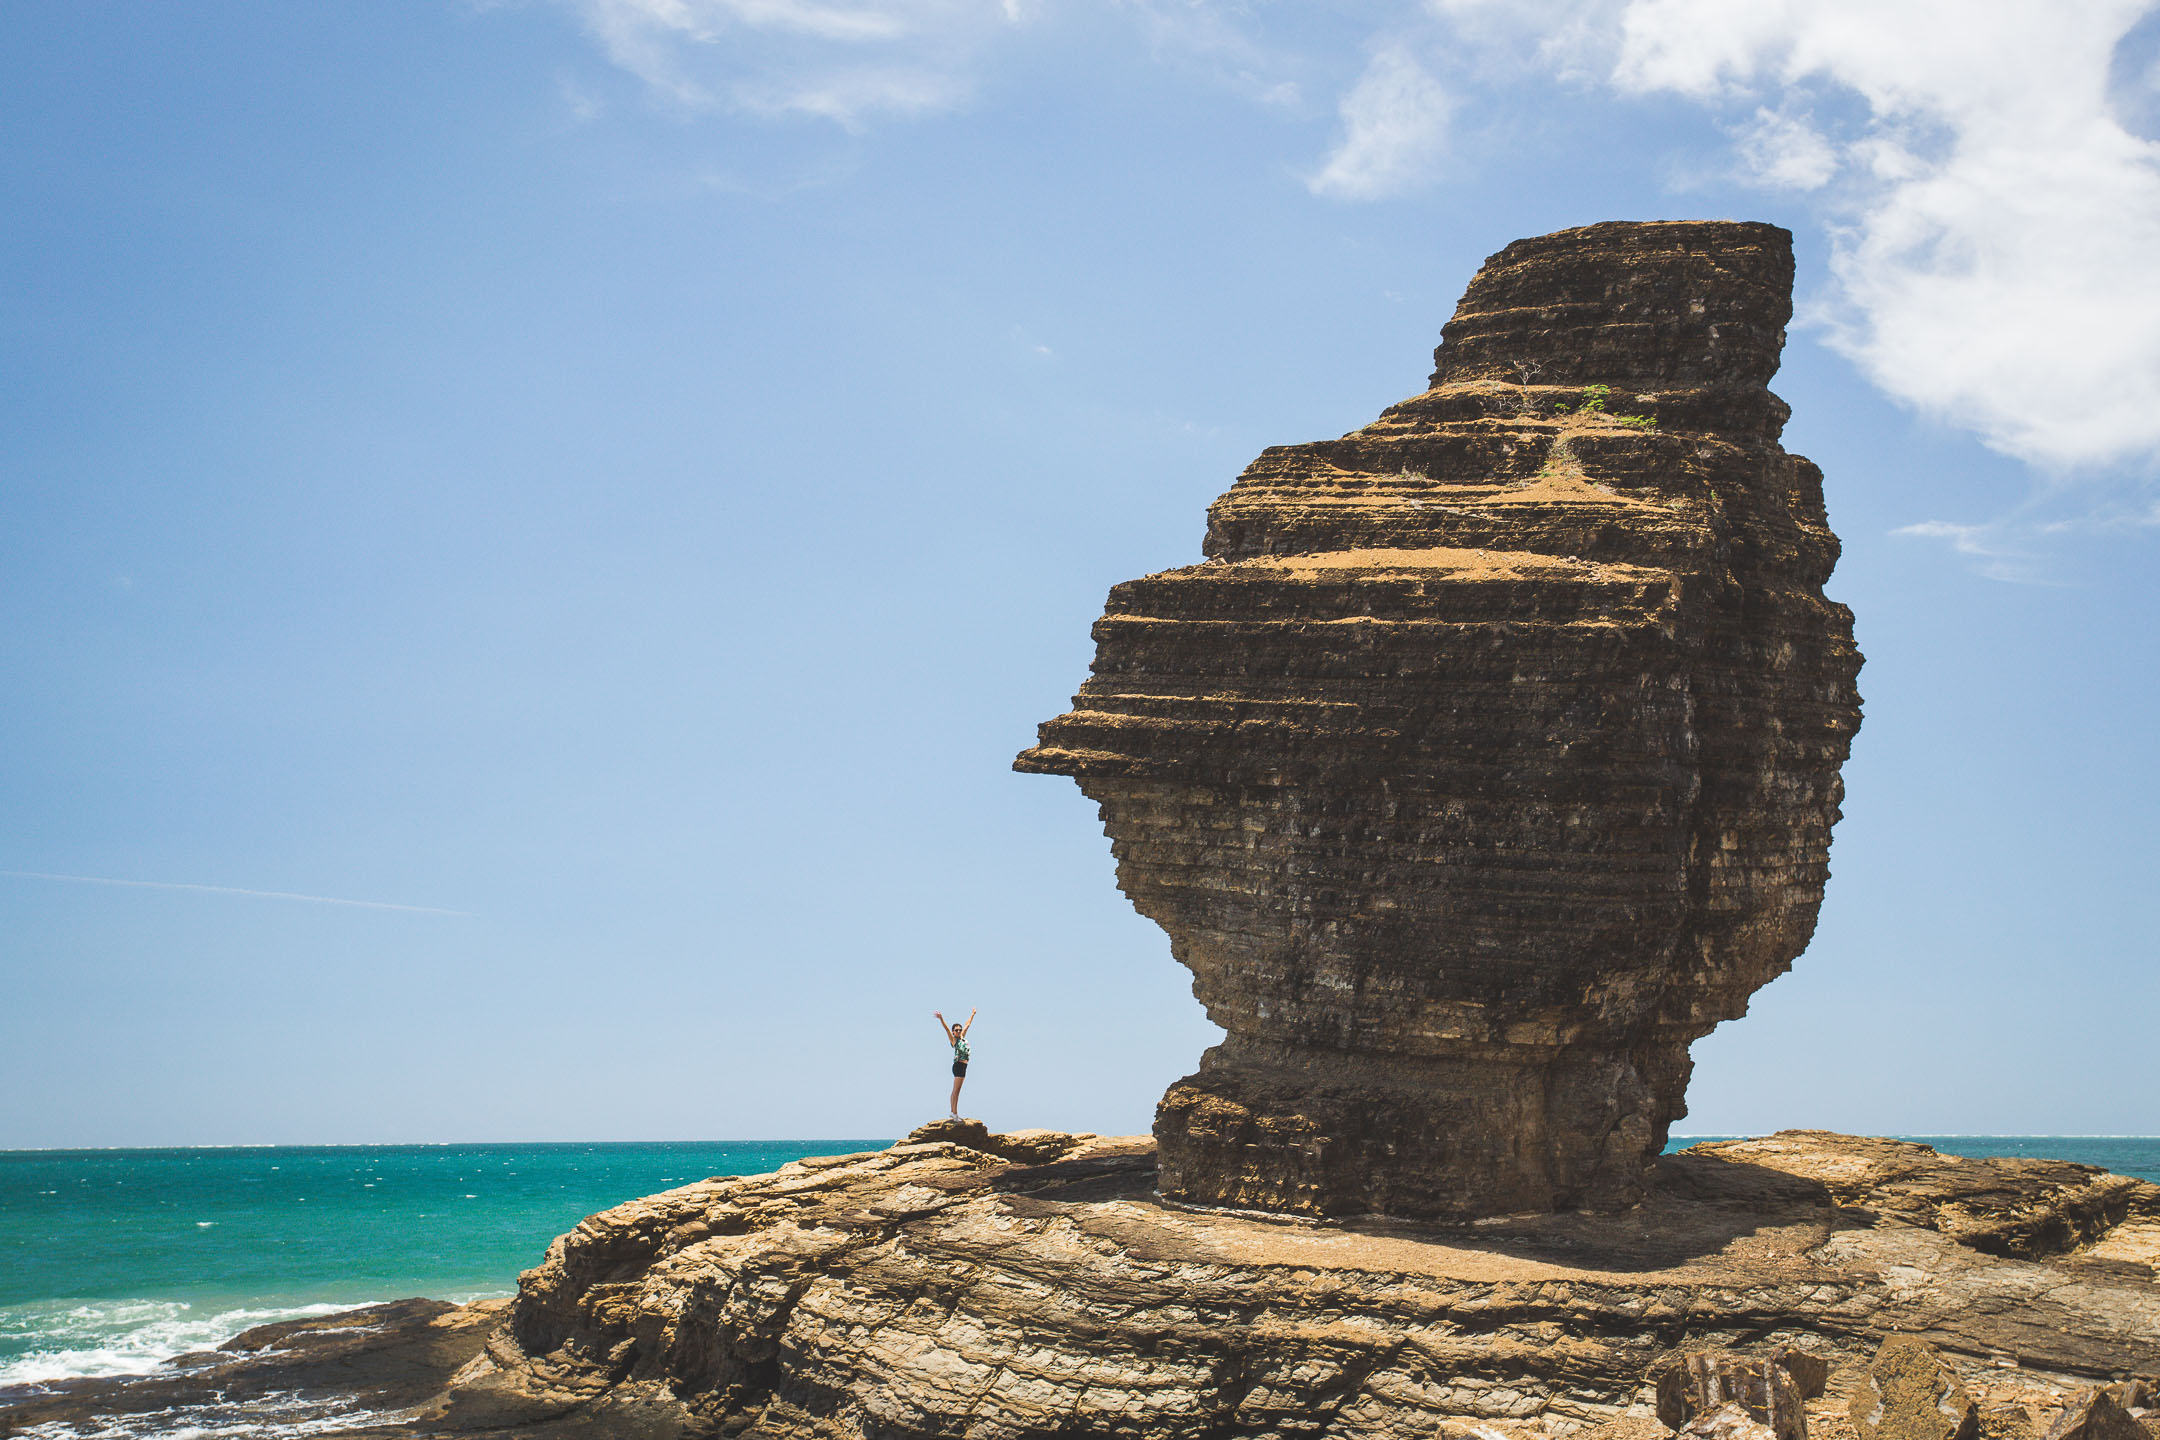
(1910,1394)
(1491,758)
(330,1374)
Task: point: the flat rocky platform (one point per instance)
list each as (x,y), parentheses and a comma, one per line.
(1032,1284)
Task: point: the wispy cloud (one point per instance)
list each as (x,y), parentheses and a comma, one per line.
(234,890)
(1395,129)
(1216,43)
(843,62)
(1995,546)
(1785,152)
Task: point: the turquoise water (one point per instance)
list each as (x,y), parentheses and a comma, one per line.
(111,1260)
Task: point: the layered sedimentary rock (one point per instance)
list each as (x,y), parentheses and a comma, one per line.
(965,1283)
(1492,756)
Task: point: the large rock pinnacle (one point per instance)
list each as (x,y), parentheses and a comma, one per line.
(1491,759)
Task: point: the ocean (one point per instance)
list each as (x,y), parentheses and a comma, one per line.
(113,1260)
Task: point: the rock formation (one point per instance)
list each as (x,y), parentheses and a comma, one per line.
(1033,1285)
(1491,757)
(1763,1387)
(1910,1394)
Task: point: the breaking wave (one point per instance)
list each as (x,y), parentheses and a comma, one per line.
(63,1339)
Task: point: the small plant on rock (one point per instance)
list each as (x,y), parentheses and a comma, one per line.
(1593,401)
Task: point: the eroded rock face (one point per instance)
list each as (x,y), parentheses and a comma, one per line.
(945,1288)
(1492,757)
(1693,1385)
(1910,1394)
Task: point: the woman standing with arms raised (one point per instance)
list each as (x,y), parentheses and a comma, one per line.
(957,1035)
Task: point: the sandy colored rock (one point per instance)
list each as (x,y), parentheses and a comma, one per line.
(2007,1422)
(1809,1371)
(2133,1395)
(1910,1394)
(1728,1422)
(1627,1427)
(2004,1206)
(1692,1385)
(938,1288)
(1491,758)
(2097,1415)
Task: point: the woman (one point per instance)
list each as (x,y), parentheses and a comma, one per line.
(957,1034)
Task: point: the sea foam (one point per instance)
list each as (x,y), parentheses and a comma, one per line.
(70,1338)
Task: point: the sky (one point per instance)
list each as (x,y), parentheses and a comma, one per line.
(530,533)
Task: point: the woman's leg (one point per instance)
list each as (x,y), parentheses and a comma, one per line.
(958,1081)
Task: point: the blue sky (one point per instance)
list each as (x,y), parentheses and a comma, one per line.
(612,484)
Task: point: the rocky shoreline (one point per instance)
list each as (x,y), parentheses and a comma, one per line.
(1034,1284)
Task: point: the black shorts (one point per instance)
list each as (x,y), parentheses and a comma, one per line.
(959,1069)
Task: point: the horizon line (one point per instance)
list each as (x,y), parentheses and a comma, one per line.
(428,1144)
(853,1140)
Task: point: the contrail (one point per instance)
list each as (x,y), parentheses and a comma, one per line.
(235,890)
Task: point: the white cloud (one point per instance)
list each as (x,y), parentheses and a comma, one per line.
(1211,42)
(1786,154)
(1965,539)
(1993,250)
(710,19)
(844,62)
(1395,128)
(1989,544)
